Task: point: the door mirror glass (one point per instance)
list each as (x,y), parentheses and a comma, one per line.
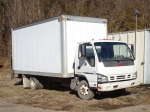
(86,52)
(83,50)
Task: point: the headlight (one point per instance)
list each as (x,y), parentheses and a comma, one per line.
(134,76)
(101,78)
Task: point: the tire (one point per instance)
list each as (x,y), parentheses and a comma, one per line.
(35,83)
(84,91)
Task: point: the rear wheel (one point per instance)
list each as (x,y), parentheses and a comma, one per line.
(84,91)
(35,83)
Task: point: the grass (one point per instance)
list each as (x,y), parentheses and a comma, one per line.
(63,99)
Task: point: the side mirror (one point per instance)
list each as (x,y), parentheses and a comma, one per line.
(131,46)
(83,50)
(132,49)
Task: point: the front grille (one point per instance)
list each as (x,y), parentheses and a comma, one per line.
(119,77)
(128,76)
(112,78)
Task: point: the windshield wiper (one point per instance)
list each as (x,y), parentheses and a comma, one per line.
(114,59)
(127,58)
(117,59)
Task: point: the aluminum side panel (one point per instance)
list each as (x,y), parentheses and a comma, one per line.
(147,58)
(124,37)
(63,49)
(140,41)
(37,48)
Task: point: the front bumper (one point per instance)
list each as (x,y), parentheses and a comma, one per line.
(110,86)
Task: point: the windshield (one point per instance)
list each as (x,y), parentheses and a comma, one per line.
(113,51)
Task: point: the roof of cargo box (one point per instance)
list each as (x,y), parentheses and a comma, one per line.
(84,19)
(67,18)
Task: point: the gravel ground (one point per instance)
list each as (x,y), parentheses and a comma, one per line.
(7,107)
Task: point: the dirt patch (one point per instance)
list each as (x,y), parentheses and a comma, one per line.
(60,98)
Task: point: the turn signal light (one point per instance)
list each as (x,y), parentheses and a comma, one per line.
(63,18)
(99,87)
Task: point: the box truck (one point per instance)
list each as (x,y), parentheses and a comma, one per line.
(72,49)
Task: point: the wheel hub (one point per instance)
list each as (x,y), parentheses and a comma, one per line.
(84,90)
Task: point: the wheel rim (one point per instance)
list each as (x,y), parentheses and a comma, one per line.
(84,90)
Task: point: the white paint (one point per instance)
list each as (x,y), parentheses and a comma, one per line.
(80,32)
(147,58)
(37,48)
(141,44)
(120,70)
(117,85)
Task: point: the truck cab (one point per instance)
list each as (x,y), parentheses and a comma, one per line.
(103,65)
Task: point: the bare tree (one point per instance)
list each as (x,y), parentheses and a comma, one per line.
(15,13)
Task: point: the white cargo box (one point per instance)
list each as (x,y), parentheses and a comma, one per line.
(47,48)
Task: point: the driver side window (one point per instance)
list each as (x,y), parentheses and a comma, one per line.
(89,54)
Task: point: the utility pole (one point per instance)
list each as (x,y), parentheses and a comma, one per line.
(135,13)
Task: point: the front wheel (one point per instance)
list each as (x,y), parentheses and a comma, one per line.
(84,91)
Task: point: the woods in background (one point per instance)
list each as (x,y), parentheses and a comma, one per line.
(15,13)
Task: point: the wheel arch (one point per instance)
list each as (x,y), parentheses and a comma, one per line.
(82,77)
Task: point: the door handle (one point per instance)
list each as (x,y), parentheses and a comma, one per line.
(78,67)
(143,63)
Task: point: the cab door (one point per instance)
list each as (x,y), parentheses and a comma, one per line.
(85,65)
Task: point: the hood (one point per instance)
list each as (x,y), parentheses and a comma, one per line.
(119,67)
